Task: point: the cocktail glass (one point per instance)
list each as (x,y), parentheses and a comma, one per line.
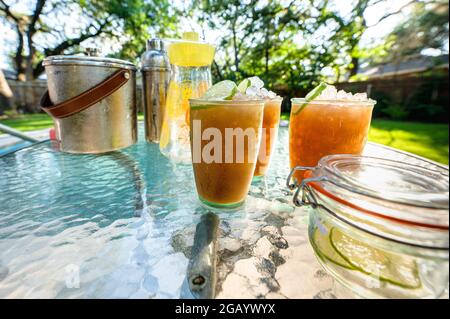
(225,138)
(325,128)
(271,121)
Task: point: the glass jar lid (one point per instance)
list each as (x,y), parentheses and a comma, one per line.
(388,189)
(387,180)
(393,200)
(392,190)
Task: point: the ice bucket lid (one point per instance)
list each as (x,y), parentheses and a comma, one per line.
(88,61)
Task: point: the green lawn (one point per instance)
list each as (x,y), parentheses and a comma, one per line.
(424,139)
(429,140)
(29,122)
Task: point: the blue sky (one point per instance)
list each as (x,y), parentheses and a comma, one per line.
(8,36)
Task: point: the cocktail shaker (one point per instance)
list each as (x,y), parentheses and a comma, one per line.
(155,77)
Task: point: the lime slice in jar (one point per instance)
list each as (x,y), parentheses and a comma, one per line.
(396,270)
(325,250)
(311,96)
(223,90)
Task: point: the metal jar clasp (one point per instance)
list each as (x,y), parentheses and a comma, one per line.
(307,197)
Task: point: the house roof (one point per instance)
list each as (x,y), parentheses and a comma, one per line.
(412,64)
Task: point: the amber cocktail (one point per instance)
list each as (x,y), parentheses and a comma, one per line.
(327,127)
(224,144)
(271,121)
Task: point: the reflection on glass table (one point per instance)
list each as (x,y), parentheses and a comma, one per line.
(122,225)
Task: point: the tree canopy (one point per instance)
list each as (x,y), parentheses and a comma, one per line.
(426,28)
(291,44)
(50,27)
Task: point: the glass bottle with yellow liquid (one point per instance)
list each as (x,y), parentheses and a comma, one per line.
(190,61)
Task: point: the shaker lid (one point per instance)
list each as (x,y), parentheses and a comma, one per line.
(189,51)
(155,56)
(385,188)
(88,61)
(155,44)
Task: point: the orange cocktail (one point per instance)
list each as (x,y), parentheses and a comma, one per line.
(224,147)
(271,121)
(327,127)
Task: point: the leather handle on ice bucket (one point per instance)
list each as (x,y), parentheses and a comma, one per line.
(86,99)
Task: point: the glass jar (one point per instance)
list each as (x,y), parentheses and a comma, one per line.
(378,226)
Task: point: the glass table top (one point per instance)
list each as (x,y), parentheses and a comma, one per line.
(122,225)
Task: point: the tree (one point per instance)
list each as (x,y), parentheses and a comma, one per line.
(5,94)
(48,28)
(289,44)
(351,30)
(426,28)
(262,38)
(296,43)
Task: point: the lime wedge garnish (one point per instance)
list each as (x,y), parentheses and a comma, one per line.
(253,81)
(244,85)
(312,96)
(398,270)
(223,90)
(325,250)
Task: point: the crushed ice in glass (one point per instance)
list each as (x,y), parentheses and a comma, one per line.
(332,93)
(255,93)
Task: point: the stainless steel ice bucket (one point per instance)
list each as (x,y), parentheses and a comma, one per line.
(93,102)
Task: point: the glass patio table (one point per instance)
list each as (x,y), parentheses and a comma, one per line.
(122,225)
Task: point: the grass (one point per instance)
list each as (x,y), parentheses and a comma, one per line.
(428,140)
(32,122)
(28,122)
(425,139)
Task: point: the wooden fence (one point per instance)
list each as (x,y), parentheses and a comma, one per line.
(402,90)
(28,94)
(415,97)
